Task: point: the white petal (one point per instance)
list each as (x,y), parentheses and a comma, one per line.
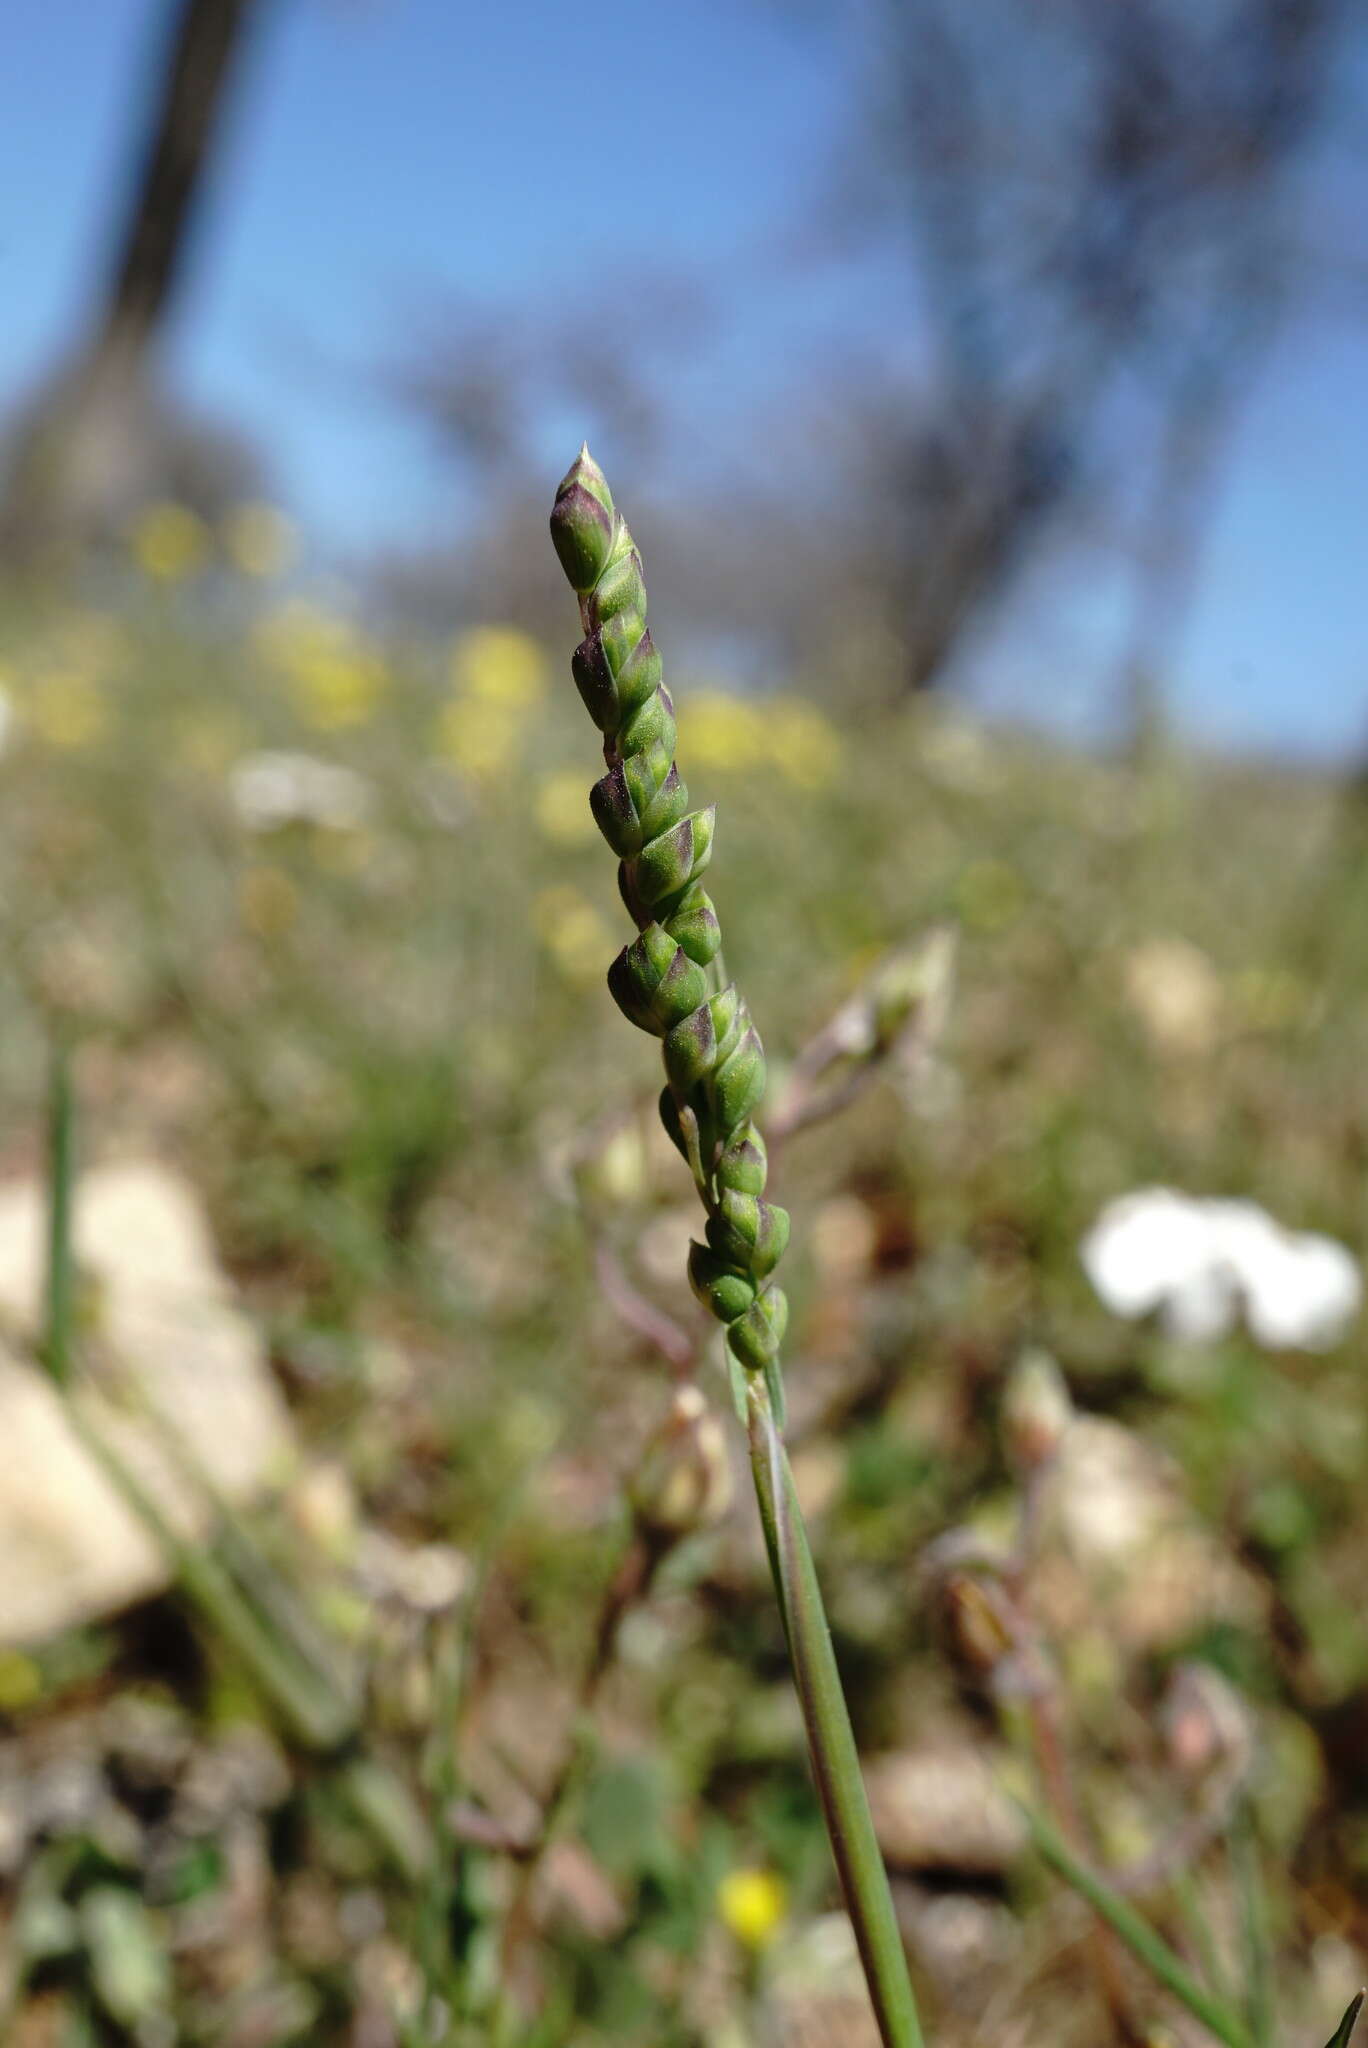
(272,789)
(1244,1235)
(1305,1298)
(1143,1247)
(1203,1306)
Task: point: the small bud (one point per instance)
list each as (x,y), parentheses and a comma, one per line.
(652,724)
(755,1337)
(669,863)
(693,925)
(620,585)
(582,522)
(654,982)
(729,1016)
(738,1083)
(615,814)
(596,683)
(978,1627)
(638,668)
(659,796)
(1036,1411)
(752,1233)
(720,1288)
(682,1482)
(745,1163)
(689,1050)
(666,865)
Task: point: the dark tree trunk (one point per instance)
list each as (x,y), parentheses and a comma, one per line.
(92,441)
(206,36)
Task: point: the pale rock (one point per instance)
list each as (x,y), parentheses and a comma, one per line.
(1123,1552)
(940,1807)
(816,1988)
(177,1382)
(963,1941)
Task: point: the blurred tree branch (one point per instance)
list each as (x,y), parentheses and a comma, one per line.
(1090,199)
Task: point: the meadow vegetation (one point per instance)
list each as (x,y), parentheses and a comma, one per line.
(324,917)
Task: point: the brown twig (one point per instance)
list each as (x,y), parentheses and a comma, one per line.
(651,1323)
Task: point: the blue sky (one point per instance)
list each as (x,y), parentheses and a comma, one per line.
(388,156)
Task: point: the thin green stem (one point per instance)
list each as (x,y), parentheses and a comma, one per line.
(1188,1897)
(311,1714)
(1244,1856)
(61,1265)
(1140,1938)
(831,1741)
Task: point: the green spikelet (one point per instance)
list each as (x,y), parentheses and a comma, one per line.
(714,1062)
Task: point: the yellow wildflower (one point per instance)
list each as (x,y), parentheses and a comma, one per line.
(561,808)
(21,1681)
(752,1905)
(574,934)
(479,738)
(500,665)
(259,540)
(334,674)
(66,708)
(803,743)
(170,542)
(720,731)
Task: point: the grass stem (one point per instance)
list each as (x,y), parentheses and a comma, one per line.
(831,1740)
(1140,1938)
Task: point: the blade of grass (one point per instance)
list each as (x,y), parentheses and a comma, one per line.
(1254,1939)
(279,1605)
(1140,1938)
(831,1741)
(1346,2026)
(59,1308)
(313,1719)
(1188,1898)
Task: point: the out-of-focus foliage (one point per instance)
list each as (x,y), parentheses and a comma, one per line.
(328,916)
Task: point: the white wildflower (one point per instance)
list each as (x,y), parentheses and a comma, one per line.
(1202,1265)
(271,790)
